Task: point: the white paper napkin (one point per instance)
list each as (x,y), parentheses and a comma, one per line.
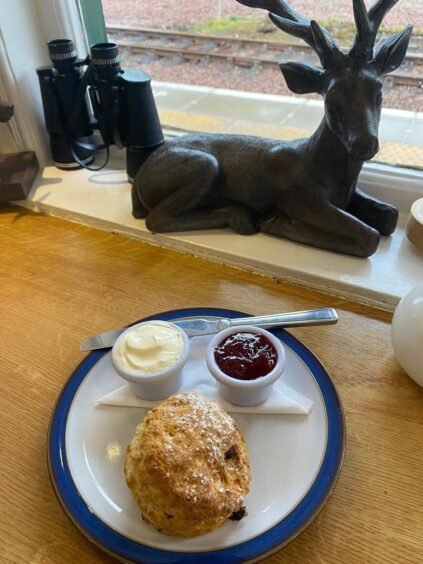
(283,399)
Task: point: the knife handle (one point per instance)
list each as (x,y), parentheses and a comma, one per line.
(324,316)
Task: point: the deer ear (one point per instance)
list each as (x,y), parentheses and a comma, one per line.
(390,54)
(302,78)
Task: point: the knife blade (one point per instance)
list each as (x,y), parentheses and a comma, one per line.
(195,326)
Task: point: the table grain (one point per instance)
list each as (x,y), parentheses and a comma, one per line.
(61,282)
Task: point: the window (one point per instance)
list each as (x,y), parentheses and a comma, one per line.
(252,65)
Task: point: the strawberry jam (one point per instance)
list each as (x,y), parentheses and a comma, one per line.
(246,356)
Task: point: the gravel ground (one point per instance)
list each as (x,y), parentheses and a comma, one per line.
(177,14)
(180,13)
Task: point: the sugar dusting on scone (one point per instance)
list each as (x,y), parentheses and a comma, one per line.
(187,466)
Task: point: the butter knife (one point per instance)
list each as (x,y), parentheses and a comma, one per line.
(195,326)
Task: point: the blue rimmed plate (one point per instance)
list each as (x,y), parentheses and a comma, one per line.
(295,463)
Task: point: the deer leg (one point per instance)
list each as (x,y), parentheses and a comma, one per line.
(234,217)
(300,232)
(186,202)
(375,213)
(326,228)
(347,231)
(139,211)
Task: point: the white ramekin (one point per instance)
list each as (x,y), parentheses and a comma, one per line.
(245,392)
(157,385)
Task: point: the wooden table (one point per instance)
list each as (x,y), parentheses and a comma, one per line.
(61,282)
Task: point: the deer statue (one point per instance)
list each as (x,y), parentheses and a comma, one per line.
(303,190)
(6,111)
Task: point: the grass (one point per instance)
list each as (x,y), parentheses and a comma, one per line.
(231,25)
(261,28)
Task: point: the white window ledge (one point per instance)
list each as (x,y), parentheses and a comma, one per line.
(102,199)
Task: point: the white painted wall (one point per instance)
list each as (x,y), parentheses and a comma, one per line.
(25,28)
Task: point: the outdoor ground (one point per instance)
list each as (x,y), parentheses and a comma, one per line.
(181,13)
(230,18)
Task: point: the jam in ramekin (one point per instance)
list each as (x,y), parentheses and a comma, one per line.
(246,356)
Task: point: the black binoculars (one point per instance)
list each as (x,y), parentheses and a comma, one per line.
(82,96)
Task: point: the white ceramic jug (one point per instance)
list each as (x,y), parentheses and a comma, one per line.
(407,333)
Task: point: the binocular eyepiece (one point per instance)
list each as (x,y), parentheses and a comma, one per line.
(96,94)
(62,52)
(105,57)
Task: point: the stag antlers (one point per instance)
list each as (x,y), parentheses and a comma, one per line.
(319,39)
(288,20)
(367,25)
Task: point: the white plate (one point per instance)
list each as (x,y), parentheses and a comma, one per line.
(295,461)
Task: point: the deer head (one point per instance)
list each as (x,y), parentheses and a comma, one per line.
(350,82)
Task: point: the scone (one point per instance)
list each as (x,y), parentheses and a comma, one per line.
(187,466)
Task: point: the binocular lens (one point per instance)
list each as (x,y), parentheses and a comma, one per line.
(62,50)
(105,54)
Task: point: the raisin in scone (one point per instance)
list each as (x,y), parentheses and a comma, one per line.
(187,466)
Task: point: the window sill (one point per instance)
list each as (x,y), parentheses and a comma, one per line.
(102,199)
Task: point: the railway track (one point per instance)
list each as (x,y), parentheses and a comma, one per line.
(184,47)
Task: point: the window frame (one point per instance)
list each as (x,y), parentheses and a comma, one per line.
(92,15)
